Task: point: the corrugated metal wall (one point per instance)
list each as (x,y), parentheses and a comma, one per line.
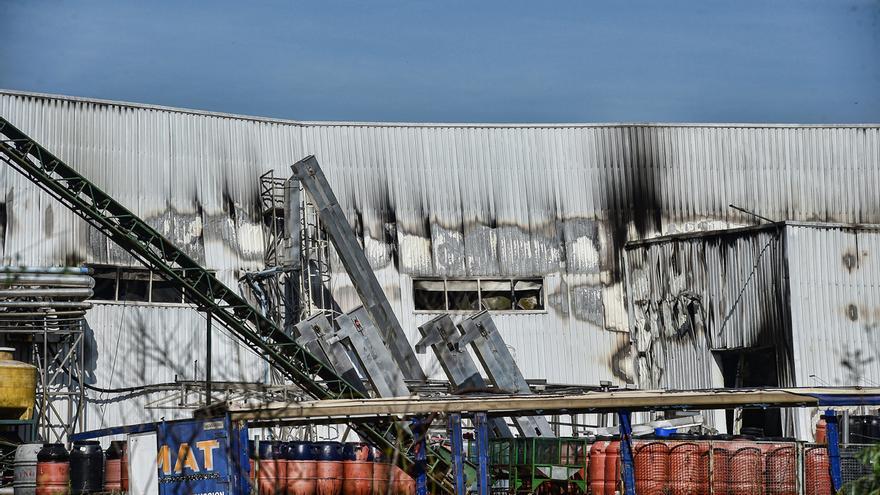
(444,200)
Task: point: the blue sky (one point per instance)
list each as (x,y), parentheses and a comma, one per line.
(809,61)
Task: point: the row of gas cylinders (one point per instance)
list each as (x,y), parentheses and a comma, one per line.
(49,469)
(325,468)
(739,466)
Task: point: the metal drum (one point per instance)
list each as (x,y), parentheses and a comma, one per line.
(746,471)
(596,472)
(357,469)
(651,463)
(780,464)
(25,472)
(86,467)
(53,470)
(113,467)
(612,466)
(302,469)
(329,472)
(381,473)
(271,470)
(817,472)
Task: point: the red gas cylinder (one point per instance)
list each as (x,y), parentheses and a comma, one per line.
(780,466)
(821,428)
(302,469)
(651,464)
(596,471)
(113,467)
(746,470)
(401,483)
(817,472)
(721,468)
(329,472)
(688,468)
(612,467)
(271,468)
(123,467)
(357,468)
(381,473)
(53,470)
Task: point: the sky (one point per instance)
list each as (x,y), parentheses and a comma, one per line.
(809,61)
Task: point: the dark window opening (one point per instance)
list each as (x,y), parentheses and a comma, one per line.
(478,294)
(429,295)
(164,291)
(105,283)
(748,368)
(134,286)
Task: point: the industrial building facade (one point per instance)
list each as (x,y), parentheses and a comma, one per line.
(550,226)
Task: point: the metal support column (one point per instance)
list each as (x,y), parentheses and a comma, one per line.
(208,358)
(481,424)
(420,448)
(832,436)
(457,444)
(626,453)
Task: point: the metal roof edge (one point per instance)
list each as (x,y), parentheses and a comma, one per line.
(319,123)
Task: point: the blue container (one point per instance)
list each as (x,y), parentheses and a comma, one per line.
(328,451)
(664,432)
(203,456)
(300,451)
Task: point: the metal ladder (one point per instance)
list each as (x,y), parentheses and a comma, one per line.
(200,286)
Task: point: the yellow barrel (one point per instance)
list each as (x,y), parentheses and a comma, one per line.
(18,383)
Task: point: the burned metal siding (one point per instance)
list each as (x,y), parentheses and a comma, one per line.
(450,200)
(691,295)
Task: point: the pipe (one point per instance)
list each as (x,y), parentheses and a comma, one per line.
(7,279)
(68,270)
(78,292)
(4,315)
(45,304)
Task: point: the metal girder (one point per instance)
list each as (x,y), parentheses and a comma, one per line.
(355,262)
(383,373)
(479,330)
(313,334)
(460,368)
(200,286)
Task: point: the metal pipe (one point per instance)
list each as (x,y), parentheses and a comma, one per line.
(45,304)
(208,363)
(79,292)
(71,270)
(7,279)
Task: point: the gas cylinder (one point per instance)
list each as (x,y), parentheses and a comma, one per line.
(357,469)
(86,467)
(688,464)
(113,467)
(271,471)
(596,473)
(651,464)
(780,465)
(721,467)
(817,472)
(612,466)
(329,471)
(821,428)
(746,470)
(381,473)
(123,467)
(302,469)
(53,470)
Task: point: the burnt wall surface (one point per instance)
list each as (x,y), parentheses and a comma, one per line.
(443,200)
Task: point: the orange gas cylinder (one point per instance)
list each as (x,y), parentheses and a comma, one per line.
(271,468)
(596,473)
(721,467)
(688,467)
(746,470)
(381,473)
(612,466)
(821,431)
(329,471)
(401,483)
(357,469)
(817,472)
(123,467)
(780,466)
(651,464)
(113,467)
(53,470)
(302,469)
